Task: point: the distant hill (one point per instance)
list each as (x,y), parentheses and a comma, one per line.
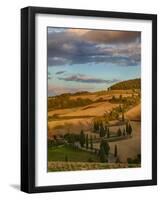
(126,85)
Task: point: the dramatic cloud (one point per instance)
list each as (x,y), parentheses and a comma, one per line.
(86,79)
(78,46)
(111,37)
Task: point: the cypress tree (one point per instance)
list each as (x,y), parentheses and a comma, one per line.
(95,126)
(87,141)
(124,132)
(119,133)
(101,131)
(123,117)
(91,142)
(105,130)
(82,138)
(108,133)
(102,155)
(115,151)
(127,128)
(130,129)
(104,144)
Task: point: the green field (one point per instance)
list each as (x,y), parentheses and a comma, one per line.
(63,153)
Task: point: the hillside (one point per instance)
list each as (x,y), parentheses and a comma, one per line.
(126,85)
(134,113)
(91,114)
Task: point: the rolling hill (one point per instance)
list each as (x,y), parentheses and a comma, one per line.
(126,85)
(134,113)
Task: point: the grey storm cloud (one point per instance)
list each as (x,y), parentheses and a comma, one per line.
(94,46)
(86,79)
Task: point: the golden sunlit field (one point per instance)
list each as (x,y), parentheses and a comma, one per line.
(99,130)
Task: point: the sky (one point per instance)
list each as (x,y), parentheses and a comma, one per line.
(91,59)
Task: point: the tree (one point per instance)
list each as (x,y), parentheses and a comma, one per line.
(102,131)
(105,129)
(96,126)
(124,132)
(71,138)
(102,155)
(120,97)
(123,117)
(82,138)
(115,151)
(100,124)
(104,144)
(91,142)
(104,151)
(130,129)
(108,133)
(87,141)
(127,128)
(119,133)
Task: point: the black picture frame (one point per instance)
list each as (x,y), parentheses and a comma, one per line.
(28,98)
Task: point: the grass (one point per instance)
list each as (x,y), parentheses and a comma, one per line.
(72,166)
(60,153)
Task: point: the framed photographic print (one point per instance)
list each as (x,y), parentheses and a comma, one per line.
(88,99)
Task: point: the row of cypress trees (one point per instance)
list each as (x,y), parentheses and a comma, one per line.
(105,131)
(85,140)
